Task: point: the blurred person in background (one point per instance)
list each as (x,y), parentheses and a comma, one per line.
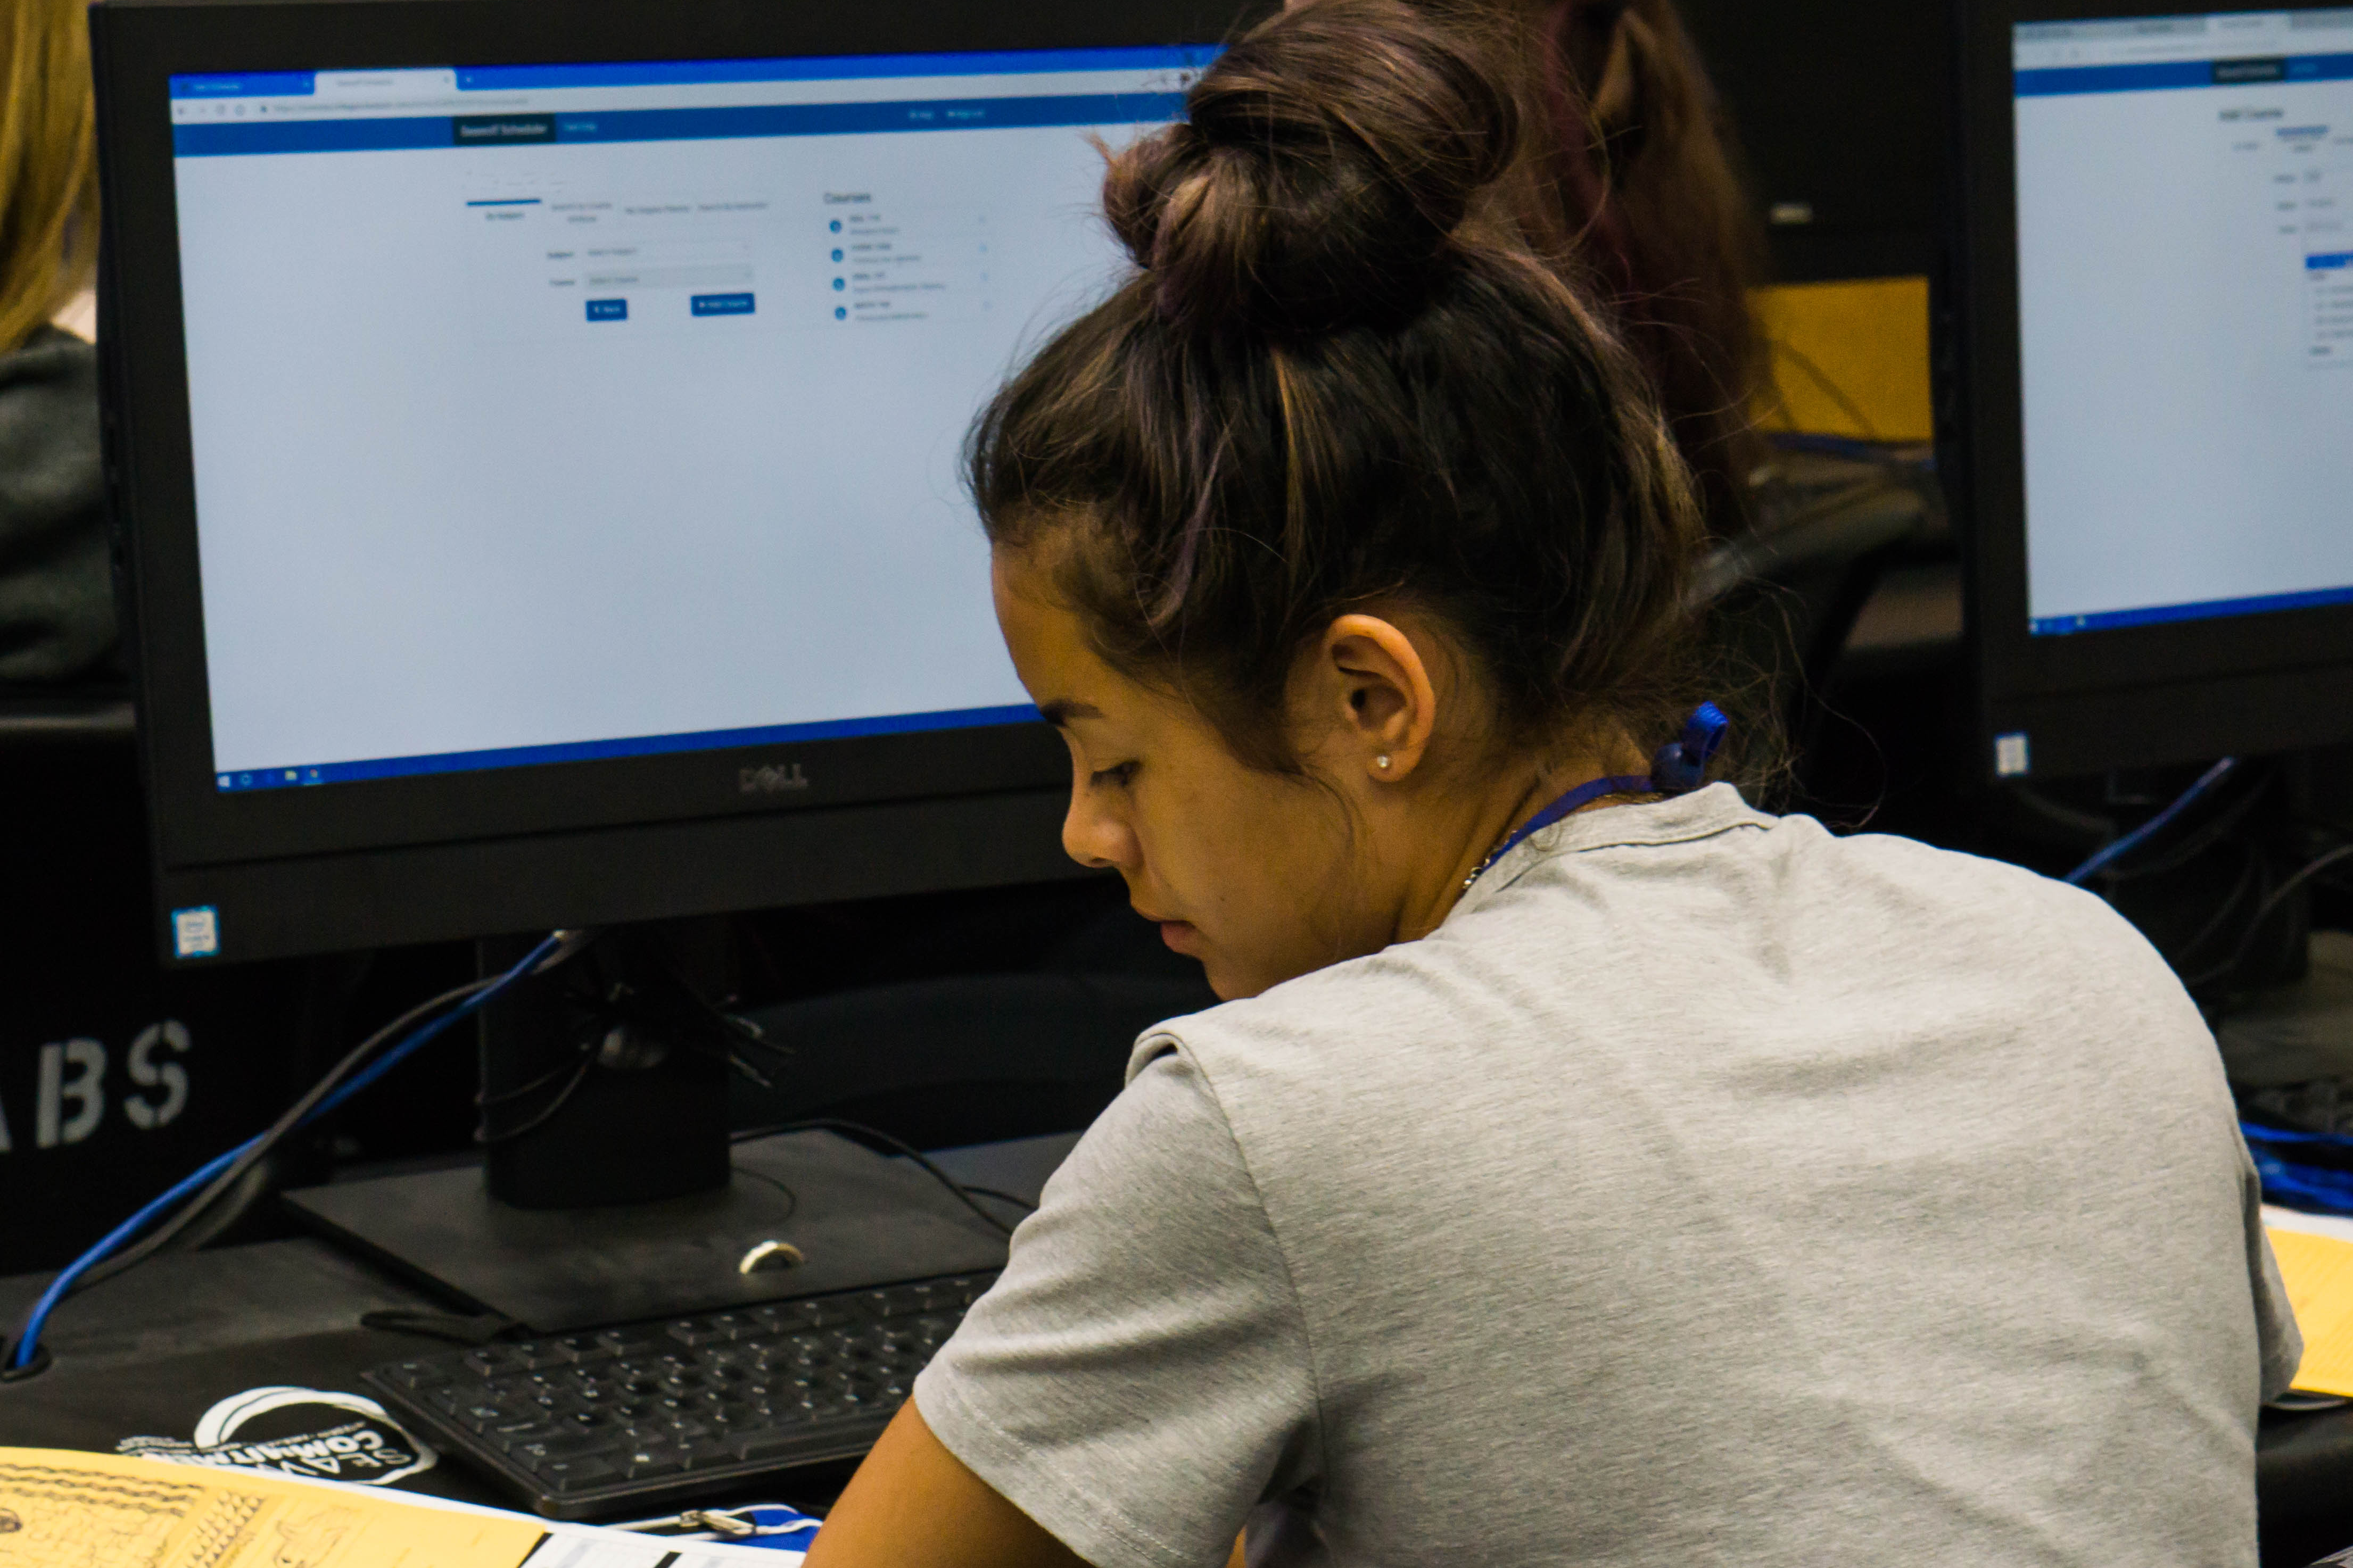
(1638,192)
(57,601)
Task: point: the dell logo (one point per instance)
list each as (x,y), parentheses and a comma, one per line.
(774,779)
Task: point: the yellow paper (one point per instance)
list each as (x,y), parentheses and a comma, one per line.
(2319,1274)
(96,1510)
(1847,359)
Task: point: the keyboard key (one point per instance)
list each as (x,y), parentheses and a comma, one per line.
(562,1448)
(575,1474)
(694,1331)
(588,1349)
(520,1433)
(785,1318)
(418,1375)
(647,1462)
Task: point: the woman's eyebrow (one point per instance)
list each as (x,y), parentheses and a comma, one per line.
(1062,710)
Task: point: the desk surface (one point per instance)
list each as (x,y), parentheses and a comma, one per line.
(147,1355)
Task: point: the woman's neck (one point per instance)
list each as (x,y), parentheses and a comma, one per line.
(1516,794)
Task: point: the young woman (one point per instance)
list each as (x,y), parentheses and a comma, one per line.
(57,593)
(1587,1166)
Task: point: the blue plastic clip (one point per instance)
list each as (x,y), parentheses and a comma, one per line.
(1681,765)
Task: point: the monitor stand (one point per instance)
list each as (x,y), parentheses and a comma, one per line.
(610,1192)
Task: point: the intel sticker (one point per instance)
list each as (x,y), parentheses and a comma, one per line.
(196,934)
(2010,755)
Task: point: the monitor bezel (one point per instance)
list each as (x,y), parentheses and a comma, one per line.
(205,837)
(2172,691)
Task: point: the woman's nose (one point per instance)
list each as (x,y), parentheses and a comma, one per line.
(1094,836)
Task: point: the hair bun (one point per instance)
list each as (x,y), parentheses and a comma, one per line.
(1324,166)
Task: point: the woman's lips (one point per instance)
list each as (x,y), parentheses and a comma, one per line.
(1179,935)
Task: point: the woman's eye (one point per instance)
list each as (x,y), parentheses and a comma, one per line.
(1116,778)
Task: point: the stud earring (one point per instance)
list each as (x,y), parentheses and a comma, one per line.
(1382,761)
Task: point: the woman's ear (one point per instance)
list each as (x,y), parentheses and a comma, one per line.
(1370,678)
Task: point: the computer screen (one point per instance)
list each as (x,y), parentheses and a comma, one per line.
(2150,433)
(535,435)
(548,413)
(2185,275)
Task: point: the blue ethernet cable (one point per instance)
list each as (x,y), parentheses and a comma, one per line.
(2312,1187)
(28,1343)
(2147,830)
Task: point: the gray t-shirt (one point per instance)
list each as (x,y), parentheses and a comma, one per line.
(1706,1188)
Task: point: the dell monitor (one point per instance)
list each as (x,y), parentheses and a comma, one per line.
(534,433)
(2154,453)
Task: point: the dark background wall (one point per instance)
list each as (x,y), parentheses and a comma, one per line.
(1839,109)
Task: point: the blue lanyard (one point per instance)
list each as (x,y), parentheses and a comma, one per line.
(1680,767)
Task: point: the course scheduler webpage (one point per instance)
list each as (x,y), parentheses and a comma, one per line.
(2185,233)
(547,412)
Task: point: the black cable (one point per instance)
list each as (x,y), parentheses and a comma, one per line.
(483,1100)
(155,1240)
(545,1114)
(1815,373)
(356,1058)
(741,1027)
(2250,875)
(2194,843)
(171,1213)
(2263,912)
(792,1198)
(2099,831)
(1024,1204)
(860,1130)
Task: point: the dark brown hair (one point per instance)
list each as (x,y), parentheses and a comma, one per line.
(1640,193)
(1339,379)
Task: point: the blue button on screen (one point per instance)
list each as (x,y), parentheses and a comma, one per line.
(722,304)
(609,310)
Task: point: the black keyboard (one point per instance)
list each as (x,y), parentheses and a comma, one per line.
(633,1418)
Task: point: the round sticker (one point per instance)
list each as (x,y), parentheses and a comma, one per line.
(305,1432)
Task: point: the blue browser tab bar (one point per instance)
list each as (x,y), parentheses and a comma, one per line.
(252,84)
(2159,75)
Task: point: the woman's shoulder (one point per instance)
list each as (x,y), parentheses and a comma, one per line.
(1311,1036)
(49,403)
(1716,845)
(52,356)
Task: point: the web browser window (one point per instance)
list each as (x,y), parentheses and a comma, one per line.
(547,412)
(2185,255)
